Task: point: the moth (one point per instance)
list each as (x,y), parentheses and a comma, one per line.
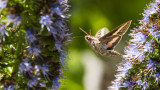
(104,41)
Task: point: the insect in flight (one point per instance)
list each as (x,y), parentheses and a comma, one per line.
(104,41)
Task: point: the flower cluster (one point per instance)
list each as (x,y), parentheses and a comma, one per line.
(56,26)
(16,20)
(33,49)
(58,29)
(33,53)
(139,68)
(10,87)
(3,32)
(33,71)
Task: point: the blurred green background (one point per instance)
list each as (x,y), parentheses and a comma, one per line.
(94,15)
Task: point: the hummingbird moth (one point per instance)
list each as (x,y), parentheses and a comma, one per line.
(104,41)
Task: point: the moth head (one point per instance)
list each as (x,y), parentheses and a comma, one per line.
(88,38)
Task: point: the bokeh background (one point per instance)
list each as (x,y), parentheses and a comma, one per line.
(94,15)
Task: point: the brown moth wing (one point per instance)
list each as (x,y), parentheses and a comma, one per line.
(112,41)
(120,30)
(101,32)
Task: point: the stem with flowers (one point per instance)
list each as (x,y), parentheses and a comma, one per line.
(33,39)
(140,68)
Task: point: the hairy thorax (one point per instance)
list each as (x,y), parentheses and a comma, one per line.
(98,47)
(102,49)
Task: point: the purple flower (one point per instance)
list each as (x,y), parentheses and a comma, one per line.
(3,30)
(155,34)
(42,84)
(59,46)
(10,18)
(138,38)
(132,51)
(152,8)
(60,24)
(45,21)
(10,87)
(30,36)
(139,82)
(26,60)
(32,82)
(53,30)
(127,83)
(55,84)
(123,69)
(147,47)
(25,67)
(116,85)
(62,1)
(152,65)
(157,77)
(62,56)
(3,4)
(58,11)
(37,69)
(145,85)
(158,1)
(34,50)
(45,71)
(15,20)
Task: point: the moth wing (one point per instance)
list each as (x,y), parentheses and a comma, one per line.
(120,30)
(102,32)
(112,41)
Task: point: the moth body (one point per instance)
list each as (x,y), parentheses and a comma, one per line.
(99,47)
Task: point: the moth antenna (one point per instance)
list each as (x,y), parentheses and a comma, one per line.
(90,31)
(83,31)
(77,37)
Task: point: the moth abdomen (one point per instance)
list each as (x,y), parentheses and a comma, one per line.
(112,53)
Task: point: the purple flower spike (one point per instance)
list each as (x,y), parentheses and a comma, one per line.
(142,52)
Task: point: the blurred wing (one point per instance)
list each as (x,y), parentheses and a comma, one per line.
(120,30)
(101,32)
(112,41)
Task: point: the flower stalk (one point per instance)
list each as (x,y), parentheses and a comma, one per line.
(140,66)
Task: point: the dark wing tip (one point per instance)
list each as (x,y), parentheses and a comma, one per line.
(129,21)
